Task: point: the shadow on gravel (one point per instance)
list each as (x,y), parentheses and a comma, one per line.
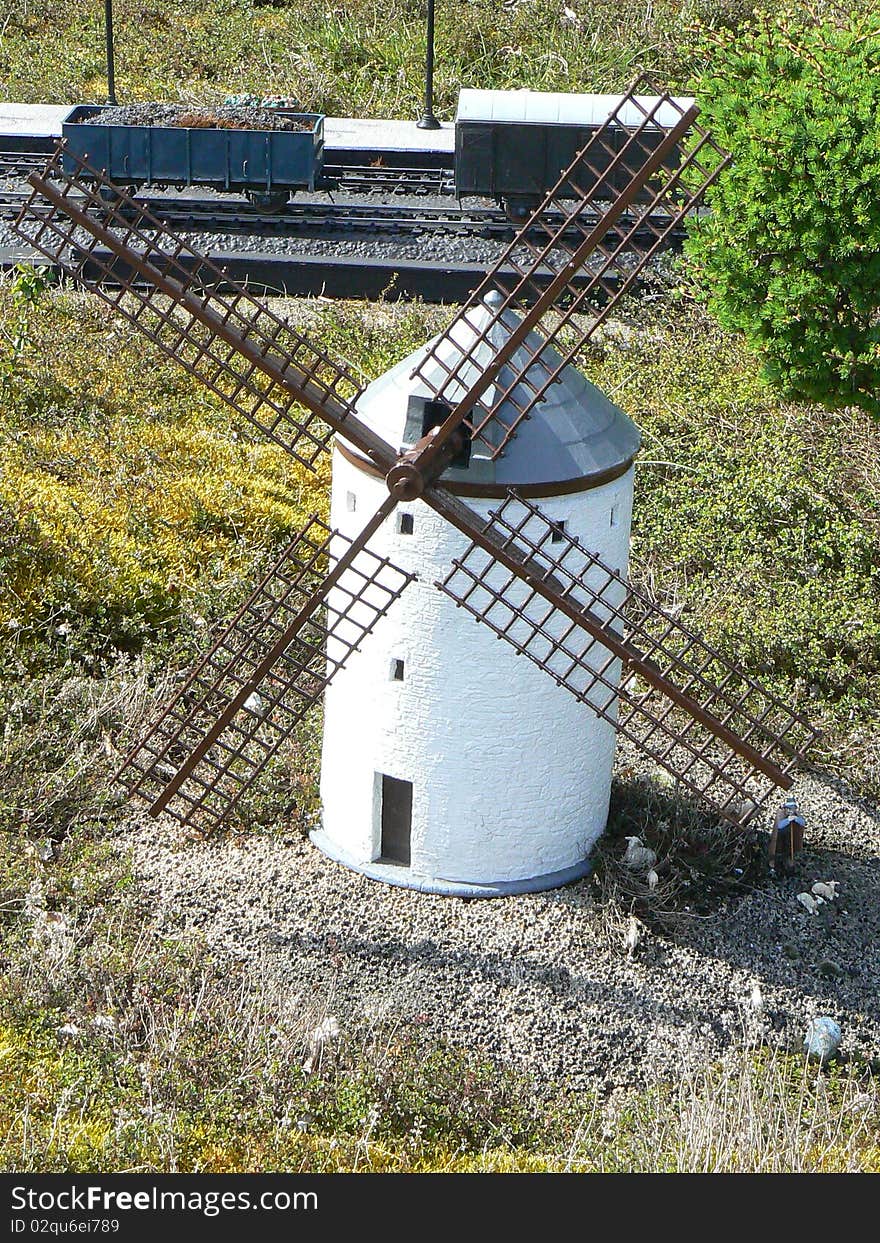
(718,896)
(544,981)
(716,902)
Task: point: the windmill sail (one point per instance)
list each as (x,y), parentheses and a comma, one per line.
(721,735)
(567,255)
(281,384)
(266,671)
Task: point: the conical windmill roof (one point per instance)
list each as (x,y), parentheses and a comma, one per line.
(574,437)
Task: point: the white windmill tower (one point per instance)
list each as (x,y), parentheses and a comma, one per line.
(428,687)
(484,466)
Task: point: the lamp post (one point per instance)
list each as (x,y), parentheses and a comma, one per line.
(111,71)
(429,121)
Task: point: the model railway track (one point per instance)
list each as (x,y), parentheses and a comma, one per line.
(377,179)
(300,219)
(331,275)
(313,219)
(236,216)
(303,219)
(21,163)
(11,203)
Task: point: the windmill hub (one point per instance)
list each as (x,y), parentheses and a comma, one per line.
(425,461)
(405,481)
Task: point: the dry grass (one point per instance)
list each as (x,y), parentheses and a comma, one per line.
(759,1111)
(175,1062)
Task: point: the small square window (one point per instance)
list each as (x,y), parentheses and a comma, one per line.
(397,670)
(558,532)
(351,502)
(406,525)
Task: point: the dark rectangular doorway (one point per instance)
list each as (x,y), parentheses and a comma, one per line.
(396,820)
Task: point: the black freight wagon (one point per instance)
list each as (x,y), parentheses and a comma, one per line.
(512,146)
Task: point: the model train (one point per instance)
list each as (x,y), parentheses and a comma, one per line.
(510,146)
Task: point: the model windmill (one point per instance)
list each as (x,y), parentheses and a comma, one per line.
(484,466)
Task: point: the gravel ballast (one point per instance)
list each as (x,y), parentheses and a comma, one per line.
(444,248)
(541,982)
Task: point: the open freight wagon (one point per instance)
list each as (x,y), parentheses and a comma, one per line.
(265,165)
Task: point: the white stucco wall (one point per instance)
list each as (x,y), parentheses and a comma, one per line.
(511,775)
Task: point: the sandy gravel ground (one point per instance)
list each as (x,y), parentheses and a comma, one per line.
(542,982)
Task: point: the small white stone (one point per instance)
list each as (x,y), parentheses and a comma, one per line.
(756,1000)
(808,902)
(324,1034)
(254,703)
(653,880)
(639,857)
(68,1029)
(823,1038)
(327,1029)
(826,890)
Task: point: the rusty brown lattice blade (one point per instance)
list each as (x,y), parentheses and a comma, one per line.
(266,671)
(491,366)
(282,385)
(721,735)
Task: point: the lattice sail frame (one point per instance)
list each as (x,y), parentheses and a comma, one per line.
(168,290)
(664,161)
(667,705)
(261,710)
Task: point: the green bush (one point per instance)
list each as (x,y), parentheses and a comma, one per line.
(790,253)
